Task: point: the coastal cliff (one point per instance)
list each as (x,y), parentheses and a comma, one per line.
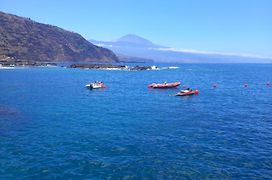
(24,40)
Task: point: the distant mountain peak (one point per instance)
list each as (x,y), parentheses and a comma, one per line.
(134,39)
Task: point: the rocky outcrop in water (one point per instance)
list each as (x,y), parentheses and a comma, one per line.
(97,66)
(112,67)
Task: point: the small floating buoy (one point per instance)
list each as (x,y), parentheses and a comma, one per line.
(268,83)
(214,85)
(245,85)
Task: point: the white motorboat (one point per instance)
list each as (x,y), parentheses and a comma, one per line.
(96,85)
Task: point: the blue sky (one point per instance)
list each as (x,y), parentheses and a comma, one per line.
(235,26)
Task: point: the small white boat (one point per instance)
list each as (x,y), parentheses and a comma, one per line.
(96,85)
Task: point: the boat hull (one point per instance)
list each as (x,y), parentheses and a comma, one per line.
(164,85)
(95,86)
(187,93)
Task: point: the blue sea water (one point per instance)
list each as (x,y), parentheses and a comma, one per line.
(52,127)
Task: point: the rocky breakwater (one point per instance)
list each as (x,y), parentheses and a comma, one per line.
(112,67)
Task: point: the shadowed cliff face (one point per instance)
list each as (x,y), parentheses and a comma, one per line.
(26,40)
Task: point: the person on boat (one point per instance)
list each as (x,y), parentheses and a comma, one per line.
(187,90)
(165,82)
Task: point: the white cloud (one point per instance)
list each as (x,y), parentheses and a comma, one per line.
(211,52)
(103,45)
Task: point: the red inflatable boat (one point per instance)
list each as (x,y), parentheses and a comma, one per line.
(164,85)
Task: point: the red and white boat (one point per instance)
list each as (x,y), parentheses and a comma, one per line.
(96,85)
(187,92)
(164,85)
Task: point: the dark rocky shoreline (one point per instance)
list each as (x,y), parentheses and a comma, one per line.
(26,63)
(112,67)
(15,64)
(79,66)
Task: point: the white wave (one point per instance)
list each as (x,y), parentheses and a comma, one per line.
(113,69)
(6,67)
(170,67)
(154,68)
(173,67)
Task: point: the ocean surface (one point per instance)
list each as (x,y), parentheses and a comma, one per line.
(52,127)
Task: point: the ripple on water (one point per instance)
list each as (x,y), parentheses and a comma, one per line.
(7,111)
